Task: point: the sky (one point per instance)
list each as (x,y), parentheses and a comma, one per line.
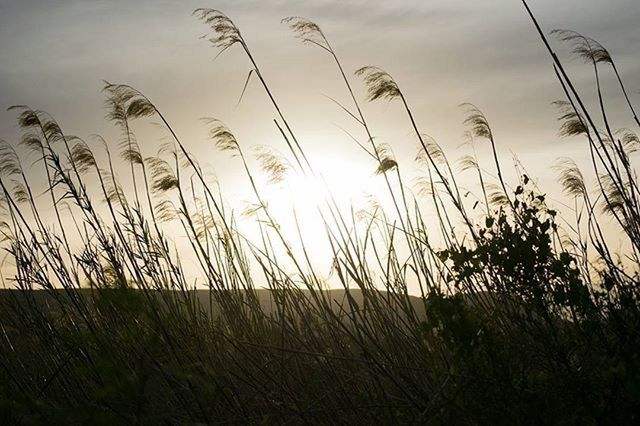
(55,55)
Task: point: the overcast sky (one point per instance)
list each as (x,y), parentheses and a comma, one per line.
(54,55)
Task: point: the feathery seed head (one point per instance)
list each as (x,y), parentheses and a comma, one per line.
(82,156)
(274,165)
(572,122)
(221,135)
(571,177)
(226,34)
(478,123)
(584,47)
(307,31)
(380,85)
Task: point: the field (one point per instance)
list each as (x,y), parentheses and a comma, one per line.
(443,305)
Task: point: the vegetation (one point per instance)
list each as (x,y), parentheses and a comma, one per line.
(523,314)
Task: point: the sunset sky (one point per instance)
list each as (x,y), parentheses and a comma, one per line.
(54,56)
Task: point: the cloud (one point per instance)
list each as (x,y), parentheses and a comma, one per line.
(54,55)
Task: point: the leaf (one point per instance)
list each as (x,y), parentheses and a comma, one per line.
(246,83)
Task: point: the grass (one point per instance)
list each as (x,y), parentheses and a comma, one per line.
(522,314)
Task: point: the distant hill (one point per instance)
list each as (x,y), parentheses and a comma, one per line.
(341,301)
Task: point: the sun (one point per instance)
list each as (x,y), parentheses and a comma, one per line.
(302,202)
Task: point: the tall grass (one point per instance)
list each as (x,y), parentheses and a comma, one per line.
(522,314)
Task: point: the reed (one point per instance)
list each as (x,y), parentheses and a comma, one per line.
(519,311)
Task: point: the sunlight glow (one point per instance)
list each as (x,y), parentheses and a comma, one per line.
(308,197)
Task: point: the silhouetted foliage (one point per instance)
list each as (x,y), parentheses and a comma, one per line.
(521,314)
